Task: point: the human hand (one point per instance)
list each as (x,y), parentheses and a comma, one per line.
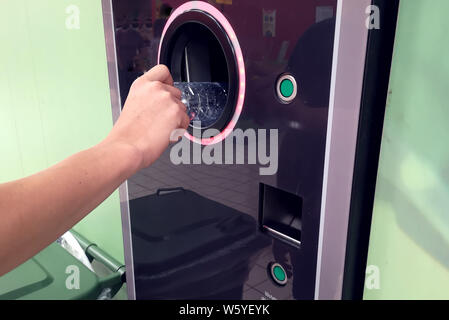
(152,111)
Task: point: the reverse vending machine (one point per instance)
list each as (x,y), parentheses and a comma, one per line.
(267,194)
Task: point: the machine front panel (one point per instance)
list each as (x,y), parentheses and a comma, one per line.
(230,230)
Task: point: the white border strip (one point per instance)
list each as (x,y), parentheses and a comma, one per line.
(328,143)
(109,34)
(348,68)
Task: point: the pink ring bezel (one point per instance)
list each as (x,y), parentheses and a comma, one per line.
(214,12)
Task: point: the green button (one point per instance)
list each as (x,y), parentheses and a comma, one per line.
(279,273)
(287,88)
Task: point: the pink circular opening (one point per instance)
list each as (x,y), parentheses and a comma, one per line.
(214,12)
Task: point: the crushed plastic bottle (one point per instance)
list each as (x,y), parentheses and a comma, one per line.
(205,101)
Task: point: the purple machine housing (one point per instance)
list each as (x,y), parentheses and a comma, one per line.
(216,231)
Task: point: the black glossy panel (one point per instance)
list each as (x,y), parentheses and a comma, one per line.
(276,37)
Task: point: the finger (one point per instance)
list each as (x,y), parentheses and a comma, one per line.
(159,73)
(185,121)
(177,135)
(182,106)
(173,90)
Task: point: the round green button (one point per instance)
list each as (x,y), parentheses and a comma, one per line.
(287,88)
(279,273)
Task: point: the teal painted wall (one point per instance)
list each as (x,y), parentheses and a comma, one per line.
(410,232)
(54,97)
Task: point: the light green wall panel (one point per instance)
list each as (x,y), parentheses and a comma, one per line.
(410,232)
(54,97)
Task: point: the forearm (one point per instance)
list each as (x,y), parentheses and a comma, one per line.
(35,210)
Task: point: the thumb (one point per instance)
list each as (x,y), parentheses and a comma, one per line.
(159,73)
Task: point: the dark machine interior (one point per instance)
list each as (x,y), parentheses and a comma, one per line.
(196,55)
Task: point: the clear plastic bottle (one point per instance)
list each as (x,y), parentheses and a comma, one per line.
(205,101)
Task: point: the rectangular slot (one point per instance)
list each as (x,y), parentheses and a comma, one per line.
(280,214)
